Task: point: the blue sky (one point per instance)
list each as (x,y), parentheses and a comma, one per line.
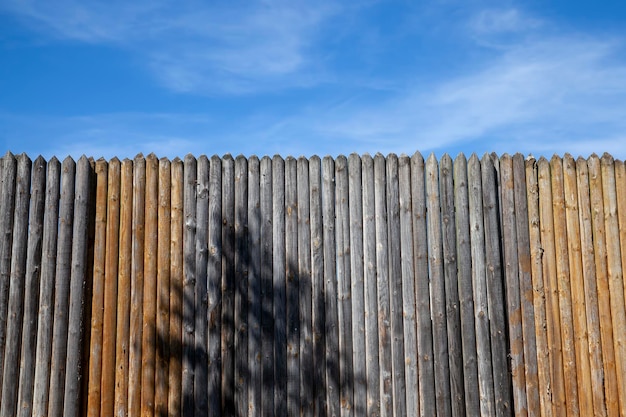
(114,78)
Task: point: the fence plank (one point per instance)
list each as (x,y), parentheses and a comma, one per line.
(479,285)
(450,270)
(15,308)
(330,274)
(464,287)
(62,289)
(317,285)
(31,289)
(357,296)
(579,318)
(615,274)
(97,314)
(438,293)
(382,289)
(174,398)
(123,295)
(395,287)
(214,285)
(162,352)
(267,289)
(255,311)
(292,287)
(242,268)
(9,173)
(189,279)
(620,187)
(200,346)
(602,283)
(408,287)
(307,362)
(565,296)
(538,289)
(370,295)
(590,288)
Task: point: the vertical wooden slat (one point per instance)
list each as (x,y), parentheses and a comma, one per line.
(395,287)
(176,289)
(480,289)
(31,289)
(615,274)
(200,350)
(538,290)
(62,289)
(546,222)
(425,367)
(590,288)
(289,368)
(46,290)
(189,278)
(464,286)
(579,318)
(15,308)
(602,283)
(357,296)
(450,271)
(382,288)
(214,285)
(317,285)
(526,286)
(620,187)
(9,173)
(438,293)
(242,268)
(371,294)
(124,289)
(331,330)
(564,291)
(307,363)
(255,301)
(97,315)
(408,287)
(136,286)
(495,285)
(162,354)
(109,342)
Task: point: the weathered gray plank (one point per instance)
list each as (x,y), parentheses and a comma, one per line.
(46,290)
(453,317)
(73,375)
(495,287)
(307,383)
(31,290)
(371,294)
(255,300)
(291,376)
(214,286)
(382,288)
(242,267)
(200,368)
(438,293)
(395,287)
(189,279)
(357,296)
(426,372)
(330,273)
(62,289)
(317,285)
(9,172)
(267,289)
(408,287)
(15,310)
(479,284)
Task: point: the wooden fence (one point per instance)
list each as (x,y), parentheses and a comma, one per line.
(388,286)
